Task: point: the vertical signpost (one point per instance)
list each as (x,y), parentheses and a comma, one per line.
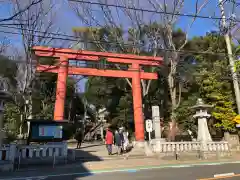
(156,120)
(149,128)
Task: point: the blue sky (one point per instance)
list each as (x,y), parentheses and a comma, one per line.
(66,19)
(199,28)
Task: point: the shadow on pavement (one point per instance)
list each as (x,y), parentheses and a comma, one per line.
(95,145)
(44,167)
(85,156)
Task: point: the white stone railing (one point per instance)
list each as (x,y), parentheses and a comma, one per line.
(7,153)
(164,147)
(42,151)
(217,146)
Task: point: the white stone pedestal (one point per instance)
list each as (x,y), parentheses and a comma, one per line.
(203,132)
(156,143)
(138,144)
(142,148)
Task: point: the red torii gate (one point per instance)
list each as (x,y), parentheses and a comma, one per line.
(135,72)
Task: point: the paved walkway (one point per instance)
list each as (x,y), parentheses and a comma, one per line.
(98,151)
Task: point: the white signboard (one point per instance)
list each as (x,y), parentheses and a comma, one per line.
(149,125)
(155,111)
(50,131)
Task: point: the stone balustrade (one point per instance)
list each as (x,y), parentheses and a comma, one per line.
(176,146)
(217,146)
(7,153)
(42,151)
(165,147)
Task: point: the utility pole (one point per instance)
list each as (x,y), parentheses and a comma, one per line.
(230,55)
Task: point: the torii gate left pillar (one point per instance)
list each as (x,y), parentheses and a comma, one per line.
(63,69)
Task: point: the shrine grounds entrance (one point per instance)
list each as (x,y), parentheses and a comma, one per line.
(63,68)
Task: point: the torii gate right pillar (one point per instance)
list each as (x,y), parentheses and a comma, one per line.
(137,103)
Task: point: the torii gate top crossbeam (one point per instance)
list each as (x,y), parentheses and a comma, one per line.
(134,61)
(78,54)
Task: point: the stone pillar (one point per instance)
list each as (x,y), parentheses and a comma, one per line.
(102,121)
(65,149)
(156,122)
(102,135)
(12,152)
(157,127)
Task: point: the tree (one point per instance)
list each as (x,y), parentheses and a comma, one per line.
(11,116)
(12,121)
(37,18)
(219,94)
(159,35)
(210,78)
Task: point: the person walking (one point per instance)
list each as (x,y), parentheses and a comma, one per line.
(79,138)
(109,141)
(118,142)
(126,141)
(121,131)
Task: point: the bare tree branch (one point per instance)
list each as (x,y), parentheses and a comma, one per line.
(16,14)
(4,44)
(38,18)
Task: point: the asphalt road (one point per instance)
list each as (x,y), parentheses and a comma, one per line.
(179,173)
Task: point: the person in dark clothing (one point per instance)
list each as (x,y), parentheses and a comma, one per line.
(121,139)
(118,142)
(79,138)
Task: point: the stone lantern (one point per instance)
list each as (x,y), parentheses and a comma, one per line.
(4,96)
(202,116)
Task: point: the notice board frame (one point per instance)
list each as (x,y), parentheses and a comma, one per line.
(44,122)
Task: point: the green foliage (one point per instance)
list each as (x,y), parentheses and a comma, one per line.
(212,76)
(8,69)
(219,94)
(43,90)
(12,121)
(124,111)
(185,114)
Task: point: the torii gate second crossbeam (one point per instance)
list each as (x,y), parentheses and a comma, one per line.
(63,69)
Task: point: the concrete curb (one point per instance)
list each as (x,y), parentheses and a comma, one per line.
(107,158)
(184,165)
(129,170)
